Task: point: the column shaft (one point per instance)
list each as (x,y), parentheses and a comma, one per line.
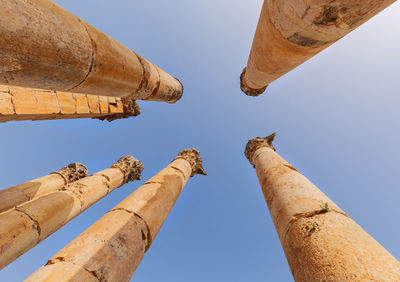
(27,191)
(291,32)
(28,224)
(114,246)
(46,47)
(321,242)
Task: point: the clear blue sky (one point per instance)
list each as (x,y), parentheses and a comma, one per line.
(336,116)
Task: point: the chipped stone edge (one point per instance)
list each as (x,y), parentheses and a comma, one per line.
(131,109)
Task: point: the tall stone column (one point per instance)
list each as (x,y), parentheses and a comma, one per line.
(27,191)
(113,247)
(28,224)
(321,242)
(292,31)
(44,46)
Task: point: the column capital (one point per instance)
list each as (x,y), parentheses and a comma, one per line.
(192,156)
(246,89)
(257,143)
(130,167)
(72,172)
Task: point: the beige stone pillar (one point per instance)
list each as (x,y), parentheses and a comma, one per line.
(44,46)
(20,103)
(28,224)
(27,191)
(321,242)
(112,248)
(292,31)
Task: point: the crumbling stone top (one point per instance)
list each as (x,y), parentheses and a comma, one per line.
(73,172)
(193,157)
(257,143)
(131,109)
(130,167)
(247,90)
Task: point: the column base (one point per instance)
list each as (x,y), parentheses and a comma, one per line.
(247,90)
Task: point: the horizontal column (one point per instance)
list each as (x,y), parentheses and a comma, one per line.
(18,103)
(35,188)
(293,31)
(26,225)
(46,47)
(113,247)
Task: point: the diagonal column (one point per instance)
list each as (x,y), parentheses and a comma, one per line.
(26,225)
(292,31)
(44,46)
(113,247)
(19,103)
(27,191)
(321,242)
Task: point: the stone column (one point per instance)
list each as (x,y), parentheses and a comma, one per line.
(291,32)
(28,224)
(19,103)
(321,242)
(27,191)
(44,46)
(113,247)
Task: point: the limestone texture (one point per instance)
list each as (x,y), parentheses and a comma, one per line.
(19,103)
(291,32)
(113,247)
(321,242)
(46,47)
(28,224)
(21,193)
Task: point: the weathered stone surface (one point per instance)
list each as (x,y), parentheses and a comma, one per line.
(18,103)
(93,102)
(154,200)
(82,106)
(18,234)
(10,198)
(44,46)
(66,102)
(24,101)
(291,32)
(112,248)
(51,211)
(320,241)
(334,248)
(6,105)
(27,191)
(63,271)
(48,101)
(104,106)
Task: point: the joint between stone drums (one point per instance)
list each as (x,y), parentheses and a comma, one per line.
(149,236)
